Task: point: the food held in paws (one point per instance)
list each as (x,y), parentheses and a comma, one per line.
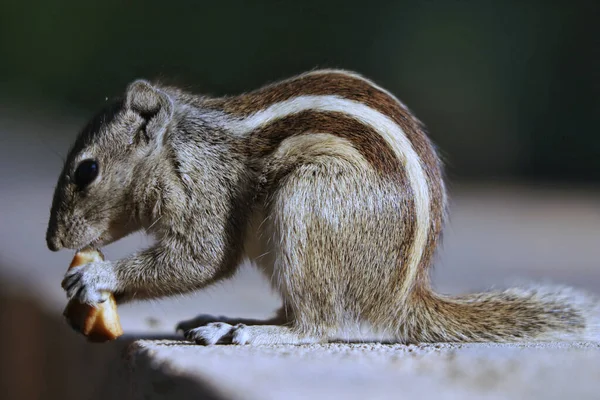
(98,323)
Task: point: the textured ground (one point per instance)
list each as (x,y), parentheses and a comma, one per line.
(368,371)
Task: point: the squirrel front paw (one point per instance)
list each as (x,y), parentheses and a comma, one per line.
(90,283)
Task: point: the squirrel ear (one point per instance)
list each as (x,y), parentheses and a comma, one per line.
(152,104)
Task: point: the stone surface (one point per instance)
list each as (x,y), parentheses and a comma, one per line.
(366,371)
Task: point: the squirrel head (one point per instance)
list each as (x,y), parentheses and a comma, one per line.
(113,154)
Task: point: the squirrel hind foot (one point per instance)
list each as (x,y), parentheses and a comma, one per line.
(241,334)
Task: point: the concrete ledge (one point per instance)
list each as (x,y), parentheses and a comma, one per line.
(178,370)
(43,358)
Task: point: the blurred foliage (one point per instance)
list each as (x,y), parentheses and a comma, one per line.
(507,88)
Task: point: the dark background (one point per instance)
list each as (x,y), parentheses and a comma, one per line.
(508,89)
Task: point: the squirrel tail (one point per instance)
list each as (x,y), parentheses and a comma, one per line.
(541,313)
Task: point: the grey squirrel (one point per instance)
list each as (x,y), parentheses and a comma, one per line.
(326,181)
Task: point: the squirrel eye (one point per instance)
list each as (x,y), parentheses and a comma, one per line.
(86,172)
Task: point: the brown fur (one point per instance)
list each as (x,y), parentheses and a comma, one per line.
(352,88)
(368,142)
(319,200)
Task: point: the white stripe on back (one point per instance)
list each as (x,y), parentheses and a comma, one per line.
(382,124)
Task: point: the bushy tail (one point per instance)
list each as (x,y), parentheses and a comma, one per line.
(541,313)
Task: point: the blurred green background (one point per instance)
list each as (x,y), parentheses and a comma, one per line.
(508,89)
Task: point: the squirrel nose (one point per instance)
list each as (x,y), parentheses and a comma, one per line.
(54,243)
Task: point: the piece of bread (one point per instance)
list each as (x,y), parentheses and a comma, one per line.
(98,323)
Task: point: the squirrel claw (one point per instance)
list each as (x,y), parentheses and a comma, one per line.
(90,283)
(213,333)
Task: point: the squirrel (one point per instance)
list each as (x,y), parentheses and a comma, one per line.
(326,181)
